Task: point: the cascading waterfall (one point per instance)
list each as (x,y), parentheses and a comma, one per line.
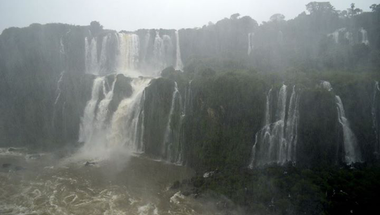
(374,112)
(348,36)
(178,63)
(87,122)
(168,52)
(128,52)
(250,42)
(280,37)
(127,125)
(125,131)
(188,98)
(336,34)
(124,53)
(61,47)
(91,57)
(276,142)
(102,112)
(364,36)
(97,64)
(351,147)
(58,91)
(167,146)
(103,56)
(290,145)
(145,47)
(158,51)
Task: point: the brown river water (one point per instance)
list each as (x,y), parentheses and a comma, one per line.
(34,184)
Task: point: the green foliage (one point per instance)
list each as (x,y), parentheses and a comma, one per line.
(289,190)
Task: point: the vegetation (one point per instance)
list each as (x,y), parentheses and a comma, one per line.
(291,190)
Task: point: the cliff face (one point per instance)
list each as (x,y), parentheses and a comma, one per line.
(217,111)
(43,89)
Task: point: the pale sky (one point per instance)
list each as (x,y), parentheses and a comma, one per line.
(136,14)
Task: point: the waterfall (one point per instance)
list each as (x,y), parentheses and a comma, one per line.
(280,37)
(61,47)
(336,34)
(158,51)
(276,142)
(122,52)
(58,92)
(97,64)
(103,105)
(178,62)
(364,36)
(348,36)
(250,42)
(127,125)
(102,63)
(351,148)
(374,112)
(168,52)
(289,149)
(91,57)
(169,140)
(87,122)
(146,45)
(128,58)
(188,98)
(124,132)
(326,85)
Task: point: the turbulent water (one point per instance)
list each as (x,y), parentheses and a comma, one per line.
(276,142)
(44,184)
(127,122)
(125,129)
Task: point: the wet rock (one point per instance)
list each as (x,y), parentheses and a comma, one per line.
(208,174)
(187,192)
(176,185)
(6,165)
(89,163)
(197,182)
(34,156)
(19,168)
(12,150)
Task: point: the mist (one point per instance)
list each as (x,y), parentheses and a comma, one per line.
(189,107)
(133,15)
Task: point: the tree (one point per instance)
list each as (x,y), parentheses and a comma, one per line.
(95,27)
(278,17)
(352,11)
(375,7)
(343,14)
(320,8)
(235,16)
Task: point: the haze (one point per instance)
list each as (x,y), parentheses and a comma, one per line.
(133,15)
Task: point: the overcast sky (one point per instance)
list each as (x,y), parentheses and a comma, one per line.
(135,14)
